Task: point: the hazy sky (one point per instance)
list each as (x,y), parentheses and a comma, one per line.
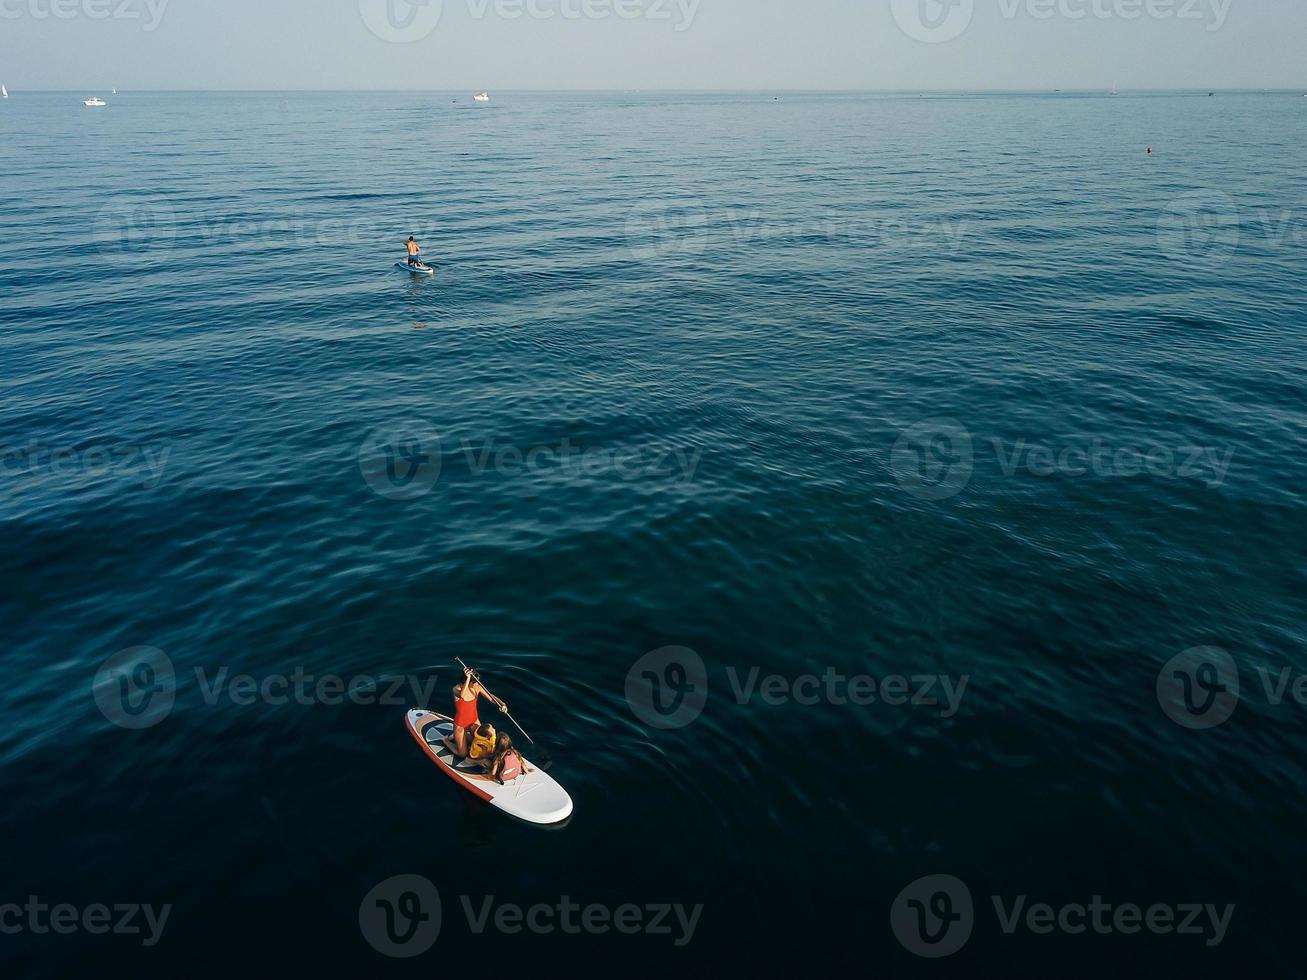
(644,44)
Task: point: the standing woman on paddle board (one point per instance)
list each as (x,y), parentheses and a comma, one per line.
(466,696)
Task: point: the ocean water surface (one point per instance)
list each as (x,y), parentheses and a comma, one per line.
(973,398)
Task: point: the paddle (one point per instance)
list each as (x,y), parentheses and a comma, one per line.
(477,678)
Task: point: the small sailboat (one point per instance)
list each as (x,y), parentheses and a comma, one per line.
(115,91)
(481,97)
(97,101)
(1114,89)
(4,92)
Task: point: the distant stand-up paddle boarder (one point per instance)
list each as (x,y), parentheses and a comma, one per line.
(414,252)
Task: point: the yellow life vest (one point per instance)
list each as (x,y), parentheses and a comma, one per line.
(481,747)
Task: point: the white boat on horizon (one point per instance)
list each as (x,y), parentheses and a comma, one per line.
(97,101)
(4,92)
(481,97)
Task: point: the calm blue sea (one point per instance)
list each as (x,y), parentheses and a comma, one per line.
(966,405)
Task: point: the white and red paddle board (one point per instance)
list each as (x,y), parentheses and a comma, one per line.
(534,796)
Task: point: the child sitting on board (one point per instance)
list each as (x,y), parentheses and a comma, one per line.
(507,763)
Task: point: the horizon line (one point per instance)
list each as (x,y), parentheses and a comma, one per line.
(709,91)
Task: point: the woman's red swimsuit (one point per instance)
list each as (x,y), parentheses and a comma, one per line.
(465,713)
